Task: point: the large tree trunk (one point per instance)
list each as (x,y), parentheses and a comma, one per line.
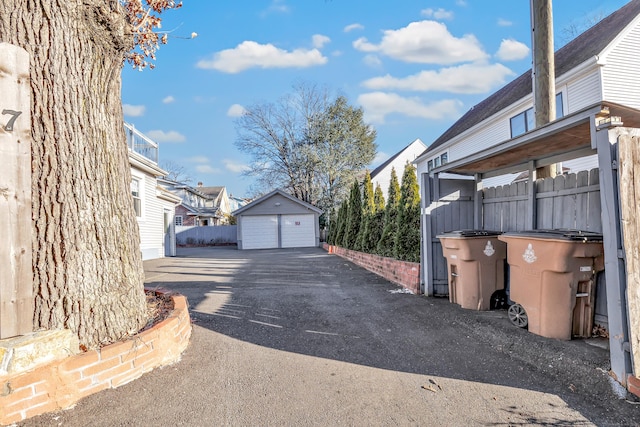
(87,265)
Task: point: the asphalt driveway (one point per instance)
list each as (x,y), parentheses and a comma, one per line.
(299,337)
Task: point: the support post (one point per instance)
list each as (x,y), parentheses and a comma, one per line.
(477,204)
(16,274)
(426,269)
(532,208)
(614,264)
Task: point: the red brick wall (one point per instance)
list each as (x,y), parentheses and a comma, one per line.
(403,273)
(60,384)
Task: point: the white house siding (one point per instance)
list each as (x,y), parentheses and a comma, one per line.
(151,223)
(620,77)
(494,133)
(581,164)
(583,91)
(409,154)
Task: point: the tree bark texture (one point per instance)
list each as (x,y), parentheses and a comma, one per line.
(87,265)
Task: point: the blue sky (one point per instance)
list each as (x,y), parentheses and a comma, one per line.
(414,67)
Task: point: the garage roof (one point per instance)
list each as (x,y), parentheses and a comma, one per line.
(276,193)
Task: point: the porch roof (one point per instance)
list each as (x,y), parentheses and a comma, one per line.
(562,139)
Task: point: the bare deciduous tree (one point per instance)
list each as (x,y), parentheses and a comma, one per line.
(307,143)
(574,28)
(176,172)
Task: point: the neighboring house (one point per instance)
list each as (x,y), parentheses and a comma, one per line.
(219,198)
(599,65)
(153,205)
(236,203)
(382,174)
(278,220)
(200,206)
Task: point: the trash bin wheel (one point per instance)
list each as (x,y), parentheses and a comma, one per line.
(498,300)
(518,316)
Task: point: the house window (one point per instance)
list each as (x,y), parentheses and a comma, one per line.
(437,161)
(443,158)
(178,220)
(135,193)
(559,106)
(526,121)
(522,123)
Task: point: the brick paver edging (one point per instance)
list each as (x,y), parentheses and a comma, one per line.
(403,273)
(62,383)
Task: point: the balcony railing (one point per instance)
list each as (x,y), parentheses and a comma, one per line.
(141,144)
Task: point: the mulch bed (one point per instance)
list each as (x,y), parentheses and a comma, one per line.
(159,305)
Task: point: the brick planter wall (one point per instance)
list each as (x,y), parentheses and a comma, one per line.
(403,273)
(62,383)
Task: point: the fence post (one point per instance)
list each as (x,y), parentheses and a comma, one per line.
(16,276)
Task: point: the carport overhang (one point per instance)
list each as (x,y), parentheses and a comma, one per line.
(567,138)
(589,131)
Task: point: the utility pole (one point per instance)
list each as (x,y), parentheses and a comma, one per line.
(544,84)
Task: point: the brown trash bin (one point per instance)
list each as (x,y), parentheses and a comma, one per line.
(552,277)
(475,262)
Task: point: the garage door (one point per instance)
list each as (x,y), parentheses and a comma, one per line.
(298,231)
(259,232)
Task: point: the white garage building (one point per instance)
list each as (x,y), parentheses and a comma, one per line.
(278,220)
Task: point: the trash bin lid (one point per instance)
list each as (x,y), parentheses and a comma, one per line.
(560,233)
(470,233)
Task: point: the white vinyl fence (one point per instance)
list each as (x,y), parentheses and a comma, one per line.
(206,236)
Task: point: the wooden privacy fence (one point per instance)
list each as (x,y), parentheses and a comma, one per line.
(566,201)
(452,208)
(205,236)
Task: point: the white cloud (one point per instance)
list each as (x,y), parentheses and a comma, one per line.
(427,42)
(504,23)
(437,13)
(461,3)
(207,169)
(198,159)
(467,79)
(377,105)
(168,99)
(372,61)
(133,110)
(250,54)
(236,110)
(234,166)
(319,41)
(162,136)
(512,50)
(353,27)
